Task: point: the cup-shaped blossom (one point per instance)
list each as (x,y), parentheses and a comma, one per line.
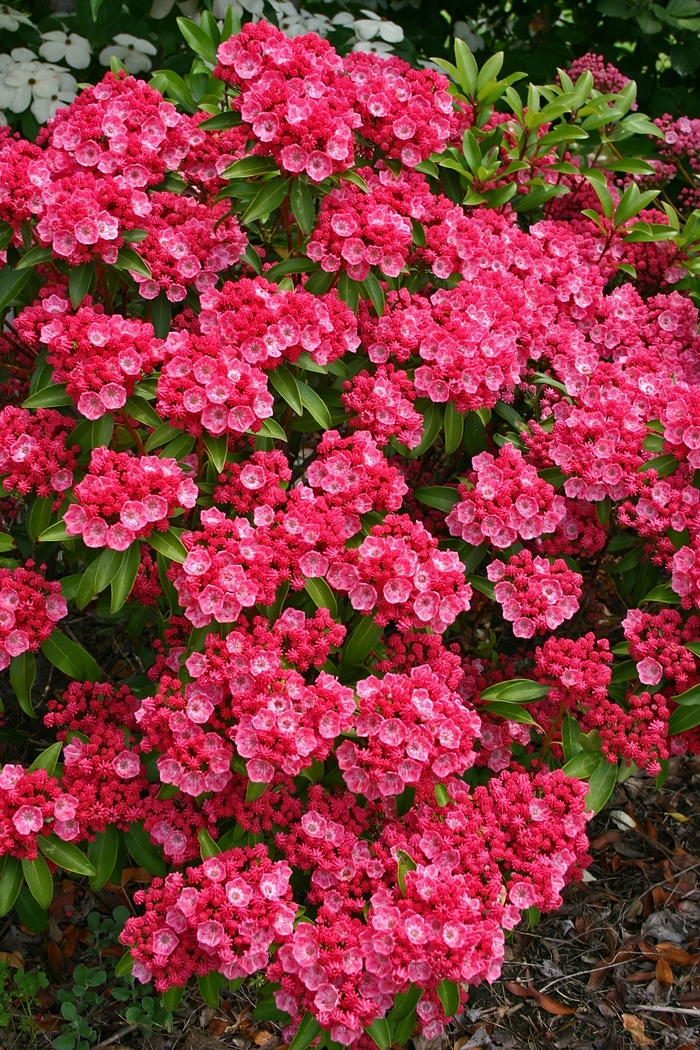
(408,727)
(200,922)
(124,498)
(30,608)
(536,595)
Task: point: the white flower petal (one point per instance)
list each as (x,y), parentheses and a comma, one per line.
(365,29)
(390,32)
(53,51)
(161,8)
(77,57)
(135,62)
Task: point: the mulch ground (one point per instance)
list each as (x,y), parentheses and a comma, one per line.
(618,966)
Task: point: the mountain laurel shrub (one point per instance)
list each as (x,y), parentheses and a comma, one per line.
(356,408)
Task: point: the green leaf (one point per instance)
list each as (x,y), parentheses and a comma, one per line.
(484,586)
(454,428)
(209,990)
(570,732)
(308,1030)
(370,288)
(39,516)
(319,282)
(380,1033)
(321,594)
(29,913)
(11,284)
(6,542)
(248,167)
(287,387)
(169,545)
(583,765)
(690,696)
(663,465)
(71,658)
(602,509)
(139,409)
(442,497)
(125,965)
(404,1005)
(53,396)
(663,593)
(315,405)
(349,290)
(442,795)
(269,196)
(362,641)
(467,69)
(207,846)
(38,878)
(6,235)
(10,883)
(302,204)
(271,429)
(124,579)
(287,266)
(66,855)
(198,40)
(79,282)
(146,855)
(601,785)
(161,313)
(128,259)
(34,257)
(222,121)
(171,999)
(450,997)
(102,854)
(513,712)
(217,447)
(47,759)
(255,790)
(517,690)
(684,718)
(22,677)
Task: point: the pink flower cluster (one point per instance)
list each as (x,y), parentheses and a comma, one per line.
(100,357)
(398,573)
(303,103)
(353,473)
(124,498)
(536,595)
(30,608)
(204,388)
(407,726)
(223,915)
(382,403)
(465,341)
(36,455)
(505,499)
(266,326)
(29,805)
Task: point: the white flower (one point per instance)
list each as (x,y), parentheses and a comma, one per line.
(25,82)
(161,8)
(373,26)
(11,19)
(130,50)
(69,47)
(297,23)
(463,31)
(241,7)
(373,47)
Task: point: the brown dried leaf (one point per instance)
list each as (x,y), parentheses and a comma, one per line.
(635,1027)
(218,1025)
(262,1037)
(543,1001)
(664,973)
(606,839)
(674,955)
(14,959)
(55,957)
